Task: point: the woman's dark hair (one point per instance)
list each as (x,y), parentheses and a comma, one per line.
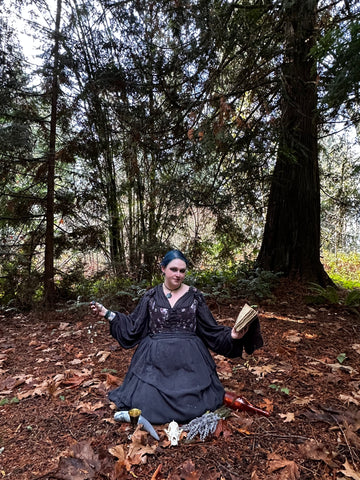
(172,255)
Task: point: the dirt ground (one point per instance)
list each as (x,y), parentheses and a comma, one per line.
(56,422)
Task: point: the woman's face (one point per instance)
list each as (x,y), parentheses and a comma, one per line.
(174,273)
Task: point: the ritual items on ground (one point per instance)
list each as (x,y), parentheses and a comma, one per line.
(202,426)
(173,433)
(124,416)
(235,402)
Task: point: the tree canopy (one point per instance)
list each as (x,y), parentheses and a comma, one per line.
(193,124)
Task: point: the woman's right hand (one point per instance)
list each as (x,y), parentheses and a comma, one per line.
(98,309)
(238,335)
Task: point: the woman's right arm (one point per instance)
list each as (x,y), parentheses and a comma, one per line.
(128,330)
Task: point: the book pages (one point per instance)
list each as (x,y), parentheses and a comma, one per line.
(246,316)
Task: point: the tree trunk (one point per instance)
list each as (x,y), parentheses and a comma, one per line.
(117,251)
(291,241)
(49,284)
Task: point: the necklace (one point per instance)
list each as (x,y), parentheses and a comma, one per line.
(169,295)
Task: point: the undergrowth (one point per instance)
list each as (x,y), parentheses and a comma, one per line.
(344,270)
(333,295)
(236,281)
(227,283)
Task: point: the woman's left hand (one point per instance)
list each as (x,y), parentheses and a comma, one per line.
(237,335)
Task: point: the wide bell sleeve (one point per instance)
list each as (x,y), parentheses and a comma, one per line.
(218,337)
(129,330)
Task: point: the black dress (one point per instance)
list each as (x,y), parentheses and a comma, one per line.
(172,375)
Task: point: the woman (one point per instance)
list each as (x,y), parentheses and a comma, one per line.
(172,375)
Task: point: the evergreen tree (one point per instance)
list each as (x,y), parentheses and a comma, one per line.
(291,241)
(17,198)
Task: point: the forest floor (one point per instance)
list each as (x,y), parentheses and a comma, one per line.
(56,422)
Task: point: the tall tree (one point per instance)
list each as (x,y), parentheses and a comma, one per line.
(18,190)
(291,241)
(49,282)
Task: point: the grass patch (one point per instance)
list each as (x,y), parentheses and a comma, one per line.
(343,268)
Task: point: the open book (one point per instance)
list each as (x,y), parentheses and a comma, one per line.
(245,317)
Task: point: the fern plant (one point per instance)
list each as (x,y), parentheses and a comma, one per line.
(352,299)
(335,296)
(328,294)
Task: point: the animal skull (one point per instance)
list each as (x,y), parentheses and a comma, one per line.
(173,433)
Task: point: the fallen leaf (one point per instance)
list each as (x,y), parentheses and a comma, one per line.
(117,451)
(136,453)
(59,377)
(311,336)
(282,350)
(74,381)
(242,424)
(39,390)
(344,368)
(41,347)
(103,356)
(76,361)
(293,336)
(53,388)
(9,383)
(188,472)
(351,436)
(119,468)
(317,451)
(310,371)
(287,417)
(112,381)
(267,405)
(224,375)
(303,400)
(261,371)
(334,366)
(349,399)
(349,471)
(68,347)
(139,447)
(81,463)
(87,407)
(222,428)
(289,467)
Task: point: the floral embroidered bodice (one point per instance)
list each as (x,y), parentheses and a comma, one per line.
(168,320)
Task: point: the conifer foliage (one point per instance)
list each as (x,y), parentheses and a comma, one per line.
(184,122)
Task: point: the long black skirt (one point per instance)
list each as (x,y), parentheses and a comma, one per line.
(172,376)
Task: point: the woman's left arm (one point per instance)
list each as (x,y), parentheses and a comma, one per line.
(225,340)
